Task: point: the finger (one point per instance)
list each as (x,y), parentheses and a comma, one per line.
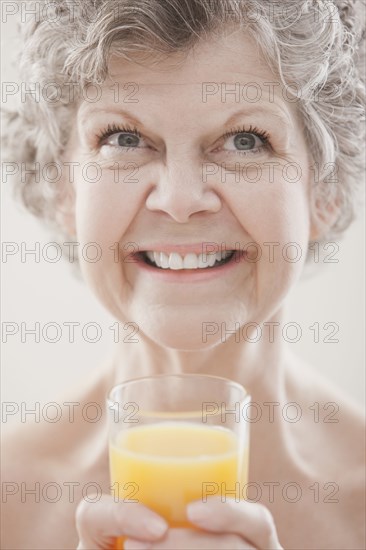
(185,539)
(251,520)
(99,523)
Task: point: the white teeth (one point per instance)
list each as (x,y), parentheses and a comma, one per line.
(160,259)
(211,260)
(175,261)
(202,261)
(190,261)
(164,260)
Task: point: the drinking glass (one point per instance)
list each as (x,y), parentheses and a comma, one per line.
(175,438)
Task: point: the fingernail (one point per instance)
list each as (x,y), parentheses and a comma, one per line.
(130,544)
(197,511)
(156,526)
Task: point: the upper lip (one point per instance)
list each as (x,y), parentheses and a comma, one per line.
(198,248)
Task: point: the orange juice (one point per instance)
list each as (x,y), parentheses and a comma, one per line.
(168,464)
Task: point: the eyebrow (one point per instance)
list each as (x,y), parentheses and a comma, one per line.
(120,112)
(282,117)
(279,114)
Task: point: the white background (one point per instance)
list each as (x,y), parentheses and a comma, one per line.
(49,292)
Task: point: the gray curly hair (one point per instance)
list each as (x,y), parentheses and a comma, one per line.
(315,46)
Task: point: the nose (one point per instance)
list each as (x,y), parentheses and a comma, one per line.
(180,191)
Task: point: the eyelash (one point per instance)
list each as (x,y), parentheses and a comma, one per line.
(114,129)
(262,134)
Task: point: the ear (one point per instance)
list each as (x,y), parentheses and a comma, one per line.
(324,215)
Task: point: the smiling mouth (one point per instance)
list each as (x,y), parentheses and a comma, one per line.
(175,261)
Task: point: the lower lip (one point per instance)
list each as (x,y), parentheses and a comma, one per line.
(191,275)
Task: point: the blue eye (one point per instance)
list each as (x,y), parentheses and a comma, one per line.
(124,137)
(240,140)
(127,140)
(244,142)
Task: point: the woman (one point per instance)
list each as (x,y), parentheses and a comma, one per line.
(195,126)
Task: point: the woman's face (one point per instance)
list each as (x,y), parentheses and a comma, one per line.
(192,150)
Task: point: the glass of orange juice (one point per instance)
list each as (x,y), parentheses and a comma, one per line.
(175,438)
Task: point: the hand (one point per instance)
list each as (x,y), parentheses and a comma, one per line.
(226,525)
(100,523)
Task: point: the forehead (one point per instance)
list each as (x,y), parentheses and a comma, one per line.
(231,55)
(221,73)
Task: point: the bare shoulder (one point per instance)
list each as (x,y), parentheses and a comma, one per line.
(21,454)
(336,421)
(33,493)
(55,435)
(47,467)
(23,472)
(327,446)
(331,432)
(333,428)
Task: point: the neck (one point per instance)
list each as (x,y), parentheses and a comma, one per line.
(252,358)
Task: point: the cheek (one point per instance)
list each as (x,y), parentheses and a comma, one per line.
(275,218)
(273,210)
(105,208)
